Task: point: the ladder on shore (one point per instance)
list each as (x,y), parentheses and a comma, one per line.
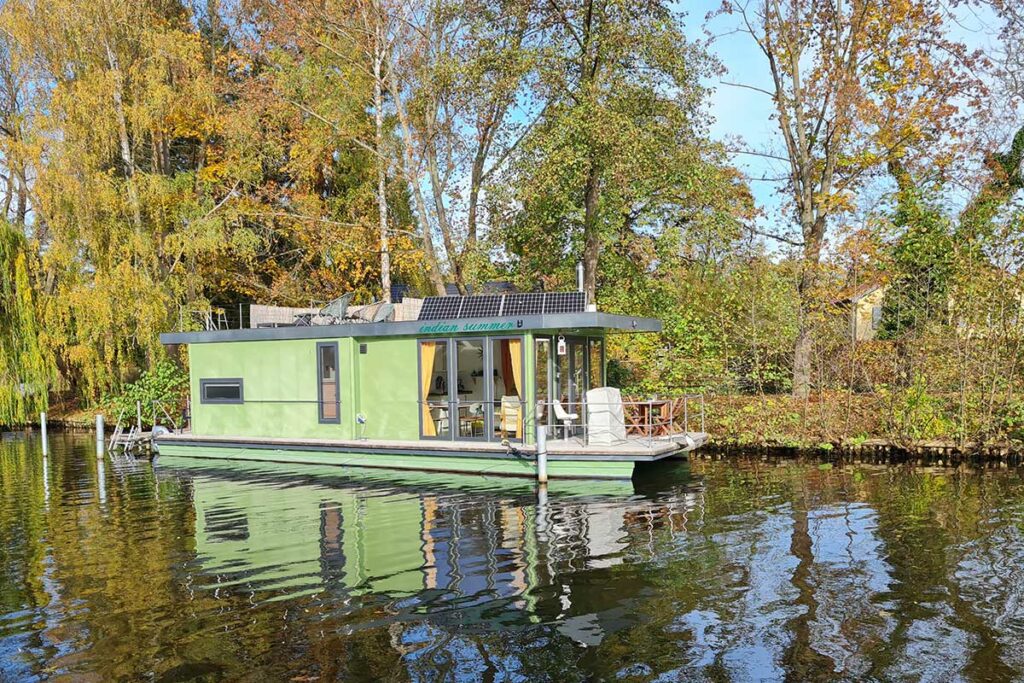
(134,439)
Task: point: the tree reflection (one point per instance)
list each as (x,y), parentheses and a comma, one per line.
(740,569)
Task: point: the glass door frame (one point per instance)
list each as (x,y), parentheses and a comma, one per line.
(524,396)
(554,378)
(424,400)
(453,402)
(453,389)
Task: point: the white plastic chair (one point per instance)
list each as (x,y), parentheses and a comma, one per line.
(565,418)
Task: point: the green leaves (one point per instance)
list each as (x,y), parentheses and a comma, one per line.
(163,387)
(27,368)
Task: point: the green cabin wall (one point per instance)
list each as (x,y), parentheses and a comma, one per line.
(387,388)
(280,387)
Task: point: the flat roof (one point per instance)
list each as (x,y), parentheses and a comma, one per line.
(422,328)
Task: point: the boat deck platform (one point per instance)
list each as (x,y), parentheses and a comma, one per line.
(566,457)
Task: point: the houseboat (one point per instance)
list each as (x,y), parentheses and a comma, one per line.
(455,383)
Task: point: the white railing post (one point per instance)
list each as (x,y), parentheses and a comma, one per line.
(542,453)
(42,428)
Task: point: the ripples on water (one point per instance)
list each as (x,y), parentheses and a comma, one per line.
(718,570)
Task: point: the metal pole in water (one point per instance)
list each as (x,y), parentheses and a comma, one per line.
(542,454)
(100,441)
(42,427)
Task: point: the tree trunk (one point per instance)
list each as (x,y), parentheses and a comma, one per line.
(591,238)
(8,193)
(22,211)
(123,138)
(805,293)
(433,271)
(476,175)
(382,198)
(442,221)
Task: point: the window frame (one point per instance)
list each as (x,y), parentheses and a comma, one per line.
(205,382)
(320,384)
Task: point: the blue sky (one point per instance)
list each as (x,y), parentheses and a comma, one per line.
(746,114)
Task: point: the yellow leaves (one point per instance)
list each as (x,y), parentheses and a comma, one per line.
(214,172)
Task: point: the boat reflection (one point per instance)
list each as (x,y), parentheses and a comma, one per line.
(462,549)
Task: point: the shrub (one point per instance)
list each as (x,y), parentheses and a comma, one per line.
(164,385)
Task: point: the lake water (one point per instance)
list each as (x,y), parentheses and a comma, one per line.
(737,569)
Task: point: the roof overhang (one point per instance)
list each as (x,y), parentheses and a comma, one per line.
(420,328)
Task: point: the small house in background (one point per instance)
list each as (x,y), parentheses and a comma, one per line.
(864,311)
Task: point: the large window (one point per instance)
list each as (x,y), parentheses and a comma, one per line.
(544,373)
(595,363)
(220,391)
(507,387)
(327,374)
(434,396)
(472,388)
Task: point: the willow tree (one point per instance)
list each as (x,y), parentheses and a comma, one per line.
(854,85)
(122,109)
(26,369)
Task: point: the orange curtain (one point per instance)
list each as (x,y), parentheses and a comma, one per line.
(427,352)
(515,348)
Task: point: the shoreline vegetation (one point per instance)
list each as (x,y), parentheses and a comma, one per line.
(165,163)
(819,427)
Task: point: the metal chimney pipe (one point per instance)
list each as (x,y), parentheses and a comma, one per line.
(579,276)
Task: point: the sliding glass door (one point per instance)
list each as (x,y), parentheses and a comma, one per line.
(565,369)
(435,397)
(507,388)
(472,389)
(470,414)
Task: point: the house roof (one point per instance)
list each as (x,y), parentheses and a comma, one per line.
(589,320)
(859,292)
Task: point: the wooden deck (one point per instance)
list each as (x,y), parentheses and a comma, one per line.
(633,449)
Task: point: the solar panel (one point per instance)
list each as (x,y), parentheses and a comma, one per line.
(523,304)
(440,307)
(507,305)
(481,306)
(565,302)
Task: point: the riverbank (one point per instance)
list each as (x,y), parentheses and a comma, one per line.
(873,425)
(850,424)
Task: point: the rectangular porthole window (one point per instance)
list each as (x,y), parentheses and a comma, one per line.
(221,390)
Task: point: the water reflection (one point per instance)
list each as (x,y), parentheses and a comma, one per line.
(738,570)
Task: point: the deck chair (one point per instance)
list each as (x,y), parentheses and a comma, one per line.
(565,418)
(334,312)
(508,418)
(376,312)
(440,418)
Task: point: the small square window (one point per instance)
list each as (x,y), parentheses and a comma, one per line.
(362,349)
(220,390)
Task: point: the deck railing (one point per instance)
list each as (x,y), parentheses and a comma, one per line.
(646,420)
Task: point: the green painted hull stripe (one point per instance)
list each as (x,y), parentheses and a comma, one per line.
(513,467)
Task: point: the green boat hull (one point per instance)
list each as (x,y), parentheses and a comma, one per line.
(426,462)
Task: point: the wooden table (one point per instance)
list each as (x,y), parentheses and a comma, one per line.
(650,418)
